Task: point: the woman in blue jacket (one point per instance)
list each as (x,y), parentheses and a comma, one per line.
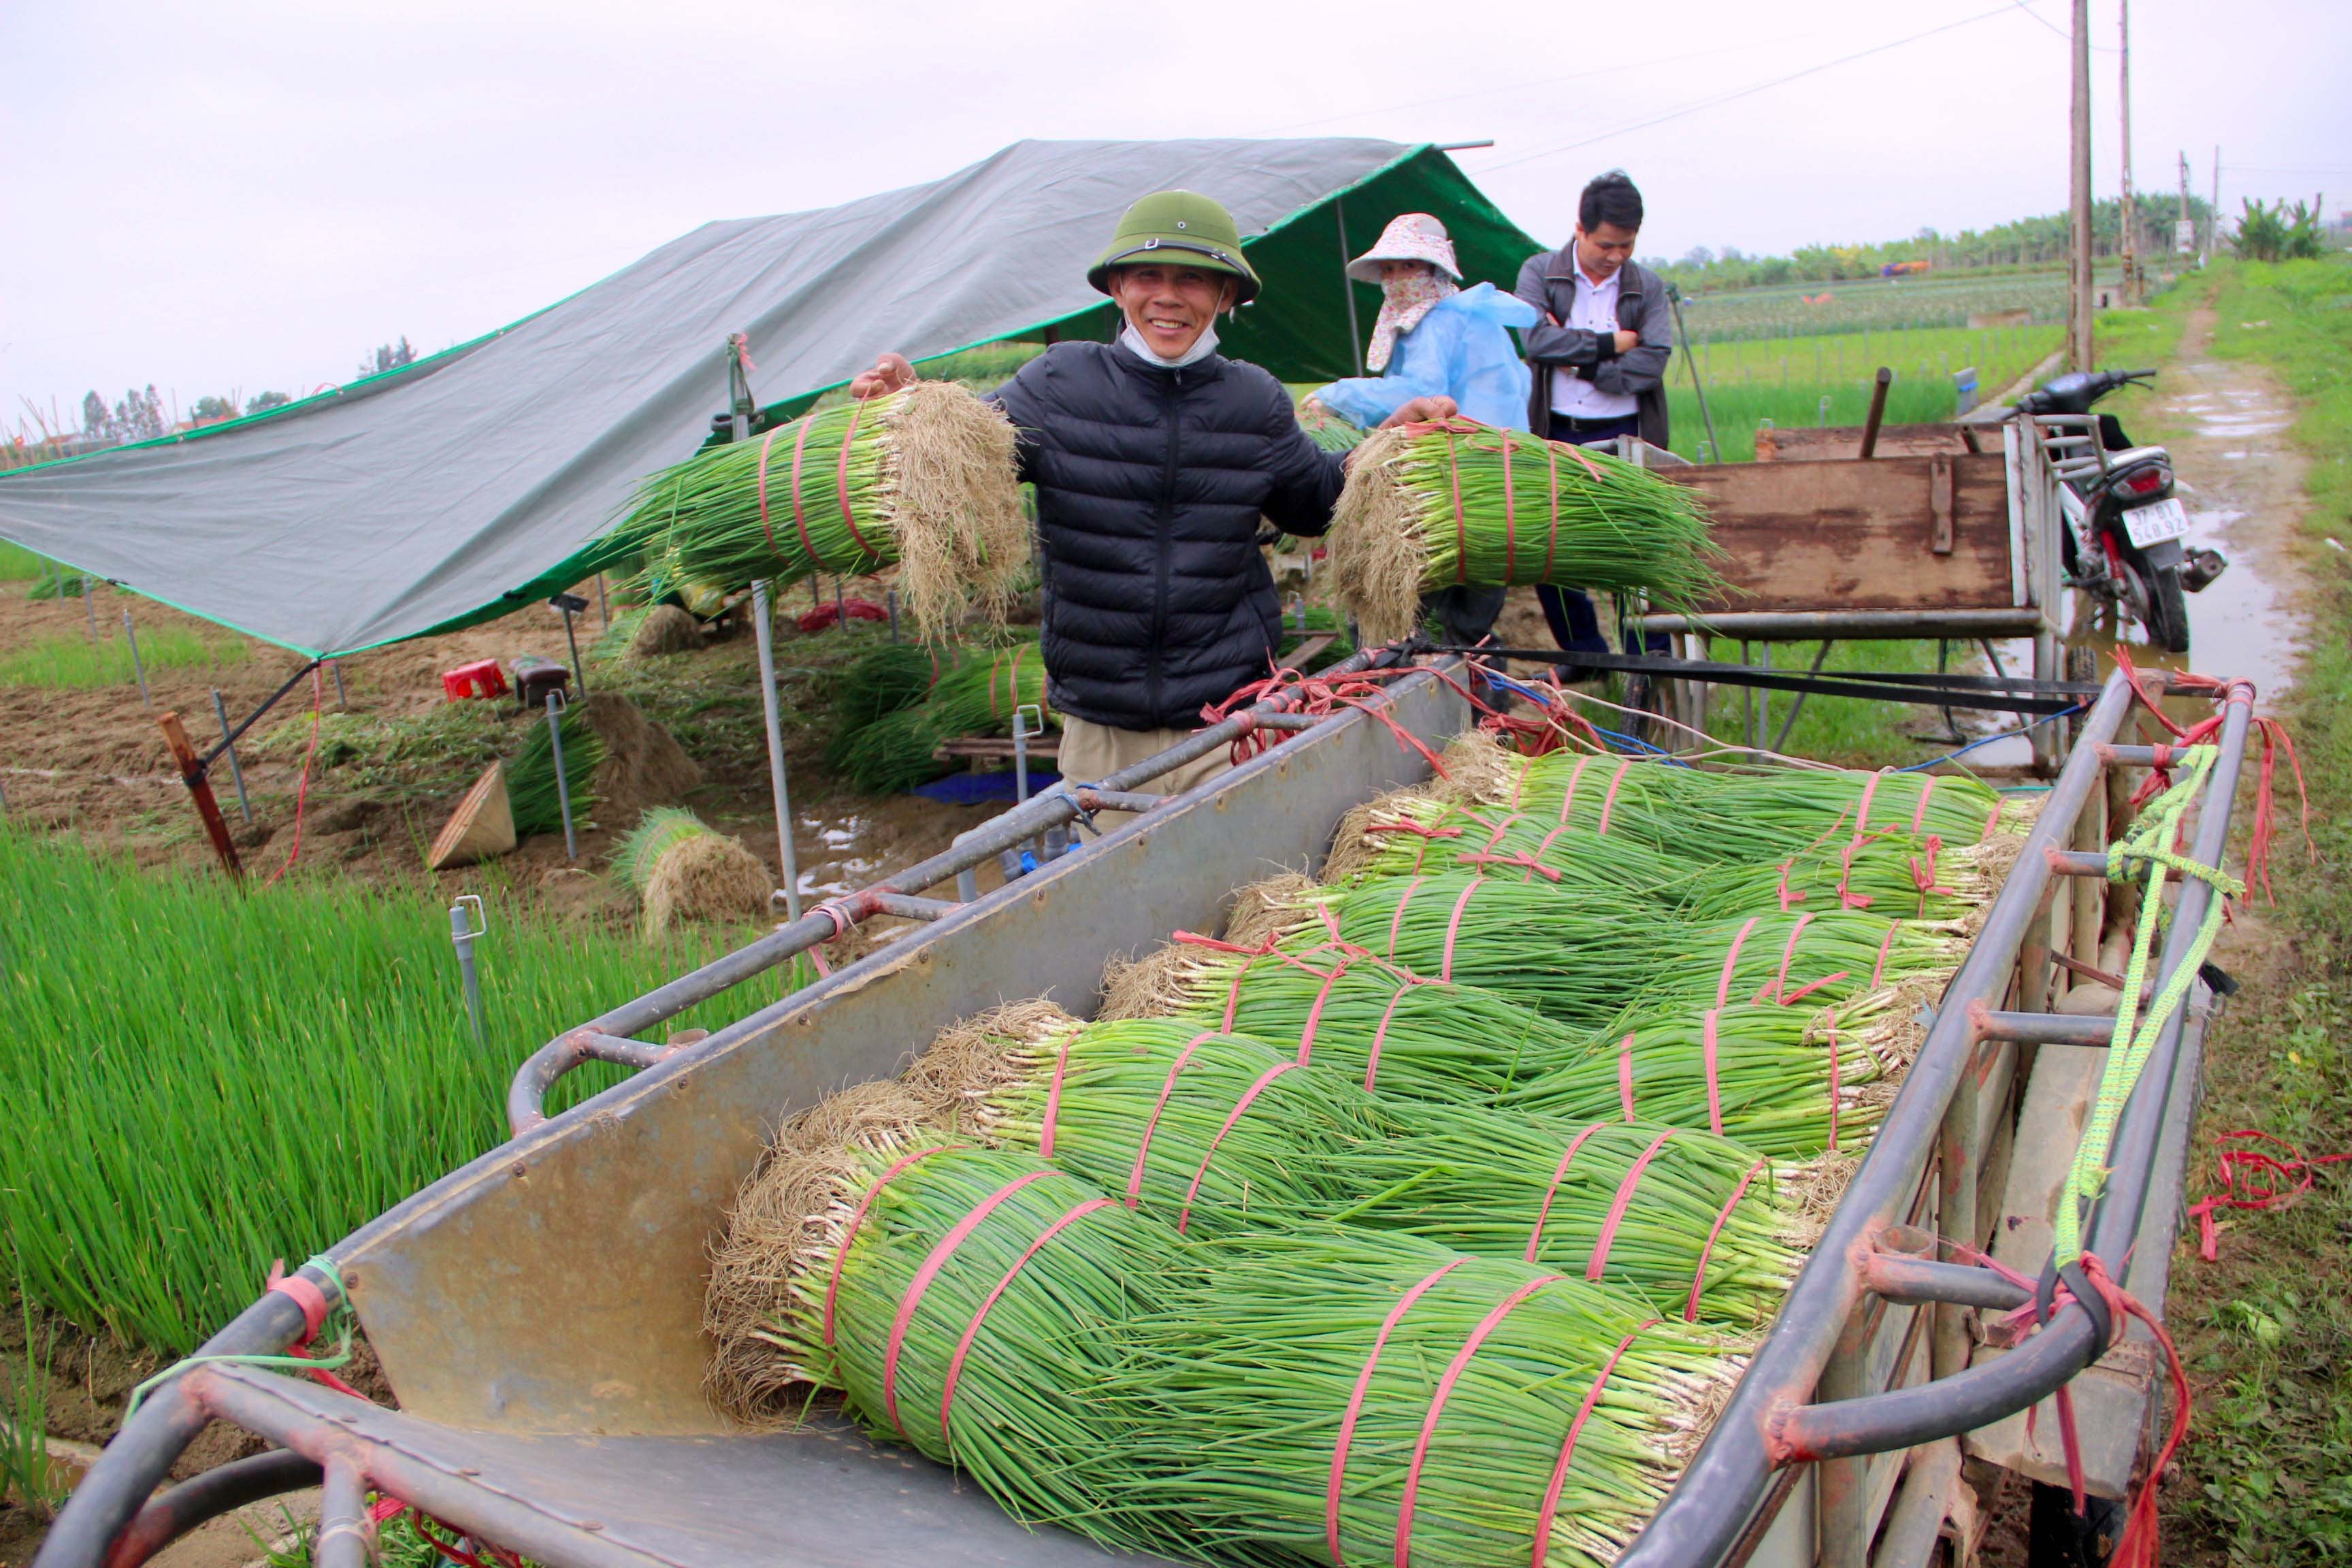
(1435,338)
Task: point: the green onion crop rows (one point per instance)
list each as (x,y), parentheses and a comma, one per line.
(70,660)
(199,1081)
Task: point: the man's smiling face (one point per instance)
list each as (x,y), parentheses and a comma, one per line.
(1170,306)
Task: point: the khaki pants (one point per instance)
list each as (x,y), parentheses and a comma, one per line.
(1092,752)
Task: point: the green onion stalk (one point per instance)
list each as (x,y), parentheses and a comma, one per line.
(1375,1023)
(1558,948)
(977,696)
(990,1268)
(883,679)
(924,478)
(1886,871)
(1346,1398)
(1701,1233)
(1791,1082)
(1813,801)
(1409,834)
(1662,806)
(530,777)
(1832,956)
(1208,1131)
(1431,507)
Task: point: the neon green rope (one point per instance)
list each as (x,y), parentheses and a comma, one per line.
(2135,1035)
(339,1316)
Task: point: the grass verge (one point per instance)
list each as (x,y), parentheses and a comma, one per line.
(73,660)
(2267,1329)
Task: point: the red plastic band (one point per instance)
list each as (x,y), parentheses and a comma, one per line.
(1356,1404)
(841,484)
(1135,1177)
(1552,540)
(1833,1089)
(1372,1065)
(1234,996)
(1924,874)
(1486,1325)
(1608,802)
(1802,992)
(1314,1014)
(1625,1074)
(1861,819)
(1623,1201)
(1731,961)
(937,1261)
(1184,1218)
(1568,1448)
(1454,929)
(1396,924)
(1535,1240)
(1543,845)
(1713,1089)
(1053,1103)
(857,1217)
(1568,800)
(800,521)
(1788,955)
(972,1331)
(1919,817)
(1884,944)
(1509,532)
(305,1294)
(766,442)
(1698,1280)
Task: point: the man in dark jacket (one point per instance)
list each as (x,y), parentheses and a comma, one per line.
(1154,458)
(1598,355)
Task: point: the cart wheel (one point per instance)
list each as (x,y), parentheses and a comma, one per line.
(2055,1538)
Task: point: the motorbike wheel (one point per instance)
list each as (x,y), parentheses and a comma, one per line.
(2152,597)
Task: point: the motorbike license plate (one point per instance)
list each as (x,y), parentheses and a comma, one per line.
(2155,522)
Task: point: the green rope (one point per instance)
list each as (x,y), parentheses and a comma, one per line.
(2135,1035)
(339,1315)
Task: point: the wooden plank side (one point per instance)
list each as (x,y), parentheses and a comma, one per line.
(1855,535)
(1818,443)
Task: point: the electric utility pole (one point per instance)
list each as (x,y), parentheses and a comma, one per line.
(2128,215)
(2080,350)
(2184,232)
(2213,218)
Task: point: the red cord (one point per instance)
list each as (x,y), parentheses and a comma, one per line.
(302,791)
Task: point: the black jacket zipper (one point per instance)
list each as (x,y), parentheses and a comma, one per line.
(1164,545)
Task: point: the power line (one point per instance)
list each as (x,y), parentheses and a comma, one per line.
(1746,91)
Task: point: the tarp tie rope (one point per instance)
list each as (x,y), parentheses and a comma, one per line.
(1184,1217)
(1077,1211)
(1567,1447)
(2235,1165)
(1619,1204)
(1143,1149)
(1560,1174)
(1699,1278)
(302,790)
(918,1287)
(857,1217)
(1486,1325)
(1356,1404)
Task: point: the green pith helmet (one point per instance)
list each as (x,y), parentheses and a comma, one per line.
(1199,229)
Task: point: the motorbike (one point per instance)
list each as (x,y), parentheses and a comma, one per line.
(2124,538)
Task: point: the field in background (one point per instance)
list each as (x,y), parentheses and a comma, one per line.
(1878,303)
(74,659)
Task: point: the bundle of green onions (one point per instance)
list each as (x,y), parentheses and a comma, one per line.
(1885,871)
(530,777)
(1209,1131)
(1660,805)
(1351,1399)
(1375,1023)
(962,1300)
(1436,506)
(975,696)
(883,679)
(1792,1082)
(1410,833)
(1806,803)
(1691,1222)
(923,478)
(1821,957)
(1558,948)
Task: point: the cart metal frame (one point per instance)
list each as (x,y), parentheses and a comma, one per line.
(537,1310)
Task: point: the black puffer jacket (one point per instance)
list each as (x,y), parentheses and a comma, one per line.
(1150,486)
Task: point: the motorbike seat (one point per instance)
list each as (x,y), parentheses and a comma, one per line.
(2131,455)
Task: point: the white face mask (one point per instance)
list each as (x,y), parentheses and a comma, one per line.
(1202,347)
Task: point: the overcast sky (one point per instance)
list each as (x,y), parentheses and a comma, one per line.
(246,194)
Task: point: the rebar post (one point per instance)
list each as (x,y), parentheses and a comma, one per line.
(228,744)
(88,605)
(763,624)
(562,784)
(463,934)
(137,668)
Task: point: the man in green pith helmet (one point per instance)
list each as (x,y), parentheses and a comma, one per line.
(1154,457)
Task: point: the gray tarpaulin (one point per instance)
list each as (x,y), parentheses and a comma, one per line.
(474,482)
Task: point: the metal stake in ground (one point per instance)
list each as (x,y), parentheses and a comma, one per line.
(137,668)
(463,934)
(763,624)
(90,605)
(1024,726)
(572,604)
(563,785)
(342,697)
(228,744)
